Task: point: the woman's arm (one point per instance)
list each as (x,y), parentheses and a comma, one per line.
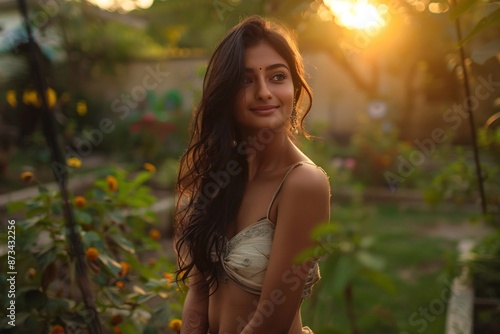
(304,202)
(195,311)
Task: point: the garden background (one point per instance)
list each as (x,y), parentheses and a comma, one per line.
(404,92)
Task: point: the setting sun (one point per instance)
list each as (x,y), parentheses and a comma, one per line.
(357,14)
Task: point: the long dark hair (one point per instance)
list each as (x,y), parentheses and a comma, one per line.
(212,172)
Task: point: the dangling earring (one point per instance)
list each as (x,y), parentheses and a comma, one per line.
(234,143)
(293,120)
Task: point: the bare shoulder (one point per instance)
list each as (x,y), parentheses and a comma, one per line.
(306,190)
(309,179)
(303,204)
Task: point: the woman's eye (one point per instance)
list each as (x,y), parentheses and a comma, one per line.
(278,77)
(247,81)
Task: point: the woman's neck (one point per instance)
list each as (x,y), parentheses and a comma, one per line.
(266,154)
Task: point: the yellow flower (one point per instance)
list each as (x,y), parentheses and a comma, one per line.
(31,97)
(175,324)
(154,234)
(11,98)
(51,97)
(125,268)
(80,201)
(81,107)
(74,162)
(92,253)
(112,183)
(168,277)
(149,167)
(27,176)
(182,275)
(57,329)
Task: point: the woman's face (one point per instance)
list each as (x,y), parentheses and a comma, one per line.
(265,100)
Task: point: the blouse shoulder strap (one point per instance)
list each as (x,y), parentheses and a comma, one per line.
(283,181)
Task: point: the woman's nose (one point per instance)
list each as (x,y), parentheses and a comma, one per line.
(263,92)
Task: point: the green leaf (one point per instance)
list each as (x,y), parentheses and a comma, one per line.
(124,244)
(27,239)
(369,260)
(482,53)
(117,216)
(144,298)
(111,296)
(155,283)
(150,329)
(56,208)
(37,211)
(93,239)
(56,306)
(380,279)
(461,8)
(47,256)
(16,206)
(83,217)
(344,271)
(32,325)
(111,265)
(140,179)
(324,230)
(145,271)
(30,222)
(485,23)
(128,327)
(159,314)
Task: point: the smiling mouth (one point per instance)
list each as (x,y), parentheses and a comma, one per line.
(266,108)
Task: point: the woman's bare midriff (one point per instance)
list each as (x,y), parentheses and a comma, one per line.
(230,308)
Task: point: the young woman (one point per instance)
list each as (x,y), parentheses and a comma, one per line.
(248,198)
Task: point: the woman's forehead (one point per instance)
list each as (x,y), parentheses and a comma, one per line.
(262,56)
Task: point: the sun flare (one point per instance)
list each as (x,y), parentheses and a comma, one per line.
(357,14)
(126,5)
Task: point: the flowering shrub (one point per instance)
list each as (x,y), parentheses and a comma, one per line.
(133,288)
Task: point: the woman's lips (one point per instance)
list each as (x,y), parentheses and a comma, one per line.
(264,110)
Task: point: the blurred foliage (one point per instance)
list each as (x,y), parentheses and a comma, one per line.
(484,265)
(378,149)
(344,246)
(457,180)
(132,281)
(94,42)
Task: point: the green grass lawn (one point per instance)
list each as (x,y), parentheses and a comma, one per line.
(419,248)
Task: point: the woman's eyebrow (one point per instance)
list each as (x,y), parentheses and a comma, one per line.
(268,68)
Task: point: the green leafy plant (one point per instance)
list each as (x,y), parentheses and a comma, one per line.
(133,286)
(346,248)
